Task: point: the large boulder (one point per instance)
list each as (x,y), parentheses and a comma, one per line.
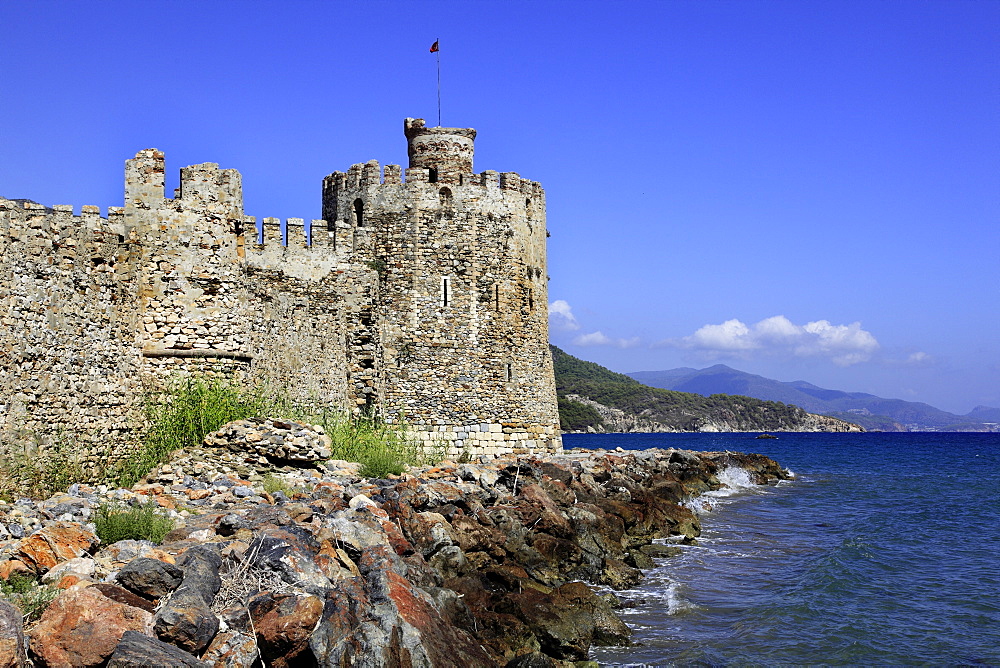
(136,650)
(283,623)
(13,653)
(381,619)
(233,649)
(58,542)
(186,619)
(151,578)
(567,620)
(82,627)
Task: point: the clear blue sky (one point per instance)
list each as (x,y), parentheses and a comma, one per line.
(805,190)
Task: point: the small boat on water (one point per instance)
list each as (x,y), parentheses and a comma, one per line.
(766,436)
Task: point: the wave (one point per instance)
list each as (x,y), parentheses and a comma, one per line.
(736,481)
(666,596)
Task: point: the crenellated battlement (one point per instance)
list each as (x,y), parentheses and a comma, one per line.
(47,235)
(420,292)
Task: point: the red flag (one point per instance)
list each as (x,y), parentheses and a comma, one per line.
(434,46)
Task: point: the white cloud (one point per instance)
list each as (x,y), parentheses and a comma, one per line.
(844,345)
(561,316)
(917,360)
(729,336)
(600,339)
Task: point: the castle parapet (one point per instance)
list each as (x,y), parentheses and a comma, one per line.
(144,178)
(446,152)
(219,191)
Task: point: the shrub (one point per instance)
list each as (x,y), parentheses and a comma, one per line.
(32,469)
(116,521)
(381,448)
(189,411)
(27,595)
(273,483)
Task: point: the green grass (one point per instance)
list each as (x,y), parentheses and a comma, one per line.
(26,594)
(190,410)
(115,522)
(382,449)
(34,470)
(195,407)
(272,483)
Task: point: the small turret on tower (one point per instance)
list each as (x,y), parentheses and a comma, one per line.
(445,152)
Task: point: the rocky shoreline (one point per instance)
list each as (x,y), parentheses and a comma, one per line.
(487,563)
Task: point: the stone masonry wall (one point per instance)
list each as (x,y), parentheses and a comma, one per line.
(67,318)
(462,305)
(422,301)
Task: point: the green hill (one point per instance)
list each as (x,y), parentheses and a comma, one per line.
(593,397)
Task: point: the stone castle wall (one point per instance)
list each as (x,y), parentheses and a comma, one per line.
(421,300)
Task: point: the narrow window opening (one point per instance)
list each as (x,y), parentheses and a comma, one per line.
(359,212)
(531,300)
(508,372)
(432,175)
(445,291)
(527,207)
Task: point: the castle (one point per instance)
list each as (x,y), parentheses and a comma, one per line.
(420,297)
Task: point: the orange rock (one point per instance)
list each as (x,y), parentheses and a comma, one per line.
(157,553)
(283,623)
(54,544)
(165,502)
(198,494)
(12,566)
(68,581)
(83,626)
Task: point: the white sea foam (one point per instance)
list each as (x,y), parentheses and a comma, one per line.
(671,599)
(735,481)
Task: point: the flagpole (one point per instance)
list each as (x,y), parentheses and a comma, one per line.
(438,54)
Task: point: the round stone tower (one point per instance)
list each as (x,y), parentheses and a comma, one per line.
(445,152)
(457,337)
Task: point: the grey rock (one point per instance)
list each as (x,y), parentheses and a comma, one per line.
(230,524)
(151,578)
(13,651)
(186,620)
(136,650)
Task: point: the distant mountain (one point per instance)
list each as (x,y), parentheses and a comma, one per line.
(592,398)
(984,414)
(868,410)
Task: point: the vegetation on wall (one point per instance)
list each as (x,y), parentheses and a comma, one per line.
(381,448)
(191,409)
(195,407)
(29,468)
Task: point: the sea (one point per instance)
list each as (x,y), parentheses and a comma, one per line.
(884,550)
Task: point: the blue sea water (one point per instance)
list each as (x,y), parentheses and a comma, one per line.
(884,550)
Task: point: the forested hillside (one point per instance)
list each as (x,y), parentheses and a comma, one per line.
(592,397)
